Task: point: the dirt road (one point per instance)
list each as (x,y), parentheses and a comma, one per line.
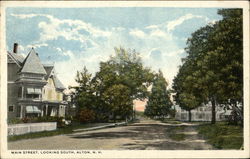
(146,135)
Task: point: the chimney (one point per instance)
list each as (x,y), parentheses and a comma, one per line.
(15,48)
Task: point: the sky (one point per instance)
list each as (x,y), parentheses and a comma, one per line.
(72,38)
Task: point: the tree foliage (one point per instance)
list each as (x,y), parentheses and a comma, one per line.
(120,80)
(159,103)
(85,90)
(117,97)
(213,69)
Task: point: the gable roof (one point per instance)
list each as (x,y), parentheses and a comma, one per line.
(17,58)
(57,82)
(48,69)
(32,64)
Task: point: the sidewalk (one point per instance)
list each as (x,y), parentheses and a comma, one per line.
(102,125)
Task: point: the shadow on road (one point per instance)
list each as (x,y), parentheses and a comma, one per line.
(147,136)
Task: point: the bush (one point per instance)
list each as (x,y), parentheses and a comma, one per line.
(26,119)
(172,113)
(235,119)
(15,121)
(46,119)
(86,115)
(60,122)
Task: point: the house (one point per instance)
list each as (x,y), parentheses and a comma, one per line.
(33,88)
(202,113)
(71,109)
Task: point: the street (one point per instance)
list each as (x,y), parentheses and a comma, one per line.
(145,135)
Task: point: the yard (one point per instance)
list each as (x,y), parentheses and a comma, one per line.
(222,136)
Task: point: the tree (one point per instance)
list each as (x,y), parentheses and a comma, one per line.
(124,70)
(117,97)
(228,37)
(187,89)
(223,62)
(84,92)
(129,70)
(159,103)
(214,64)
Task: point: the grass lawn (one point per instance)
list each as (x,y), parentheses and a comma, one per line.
(222,136)
(177,137)
(171,121)
(174,133)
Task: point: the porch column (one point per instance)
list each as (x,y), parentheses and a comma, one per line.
(22,92)
(21,111)
(46,110)
(42,110)
(64,111)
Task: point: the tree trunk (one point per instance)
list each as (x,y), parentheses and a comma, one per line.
(213,112)
(189,116)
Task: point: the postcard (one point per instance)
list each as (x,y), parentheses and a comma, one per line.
(124,79)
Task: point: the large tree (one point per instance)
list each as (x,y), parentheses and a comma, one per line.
(215,63)
(228,39)
(117,97)
(187,89)
(123,70)
(159,103)
(84,92)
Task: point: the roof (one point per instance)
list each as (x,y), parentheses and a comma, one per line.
(18,58)
(32,64)
(48,69)
(58,83)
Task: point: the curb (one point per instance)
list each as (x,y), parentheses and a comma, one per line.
(101,127)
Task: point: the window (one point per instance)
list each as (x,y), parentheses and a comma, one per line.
(38,91)
(34,91)
(11,108)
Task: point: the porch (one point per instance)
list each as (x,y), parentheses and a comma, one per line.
(37,109)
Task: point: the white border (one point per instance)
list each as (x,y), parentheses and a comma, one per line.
(130,153)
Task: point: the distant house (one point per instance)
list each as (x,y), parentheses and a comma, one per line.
(202,113)
(33,88)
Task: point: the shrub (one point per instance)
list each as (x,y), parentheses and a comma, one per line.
(86,115)
(60,122)
(172,113)
(47,119)
(15,121)
(26,119)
